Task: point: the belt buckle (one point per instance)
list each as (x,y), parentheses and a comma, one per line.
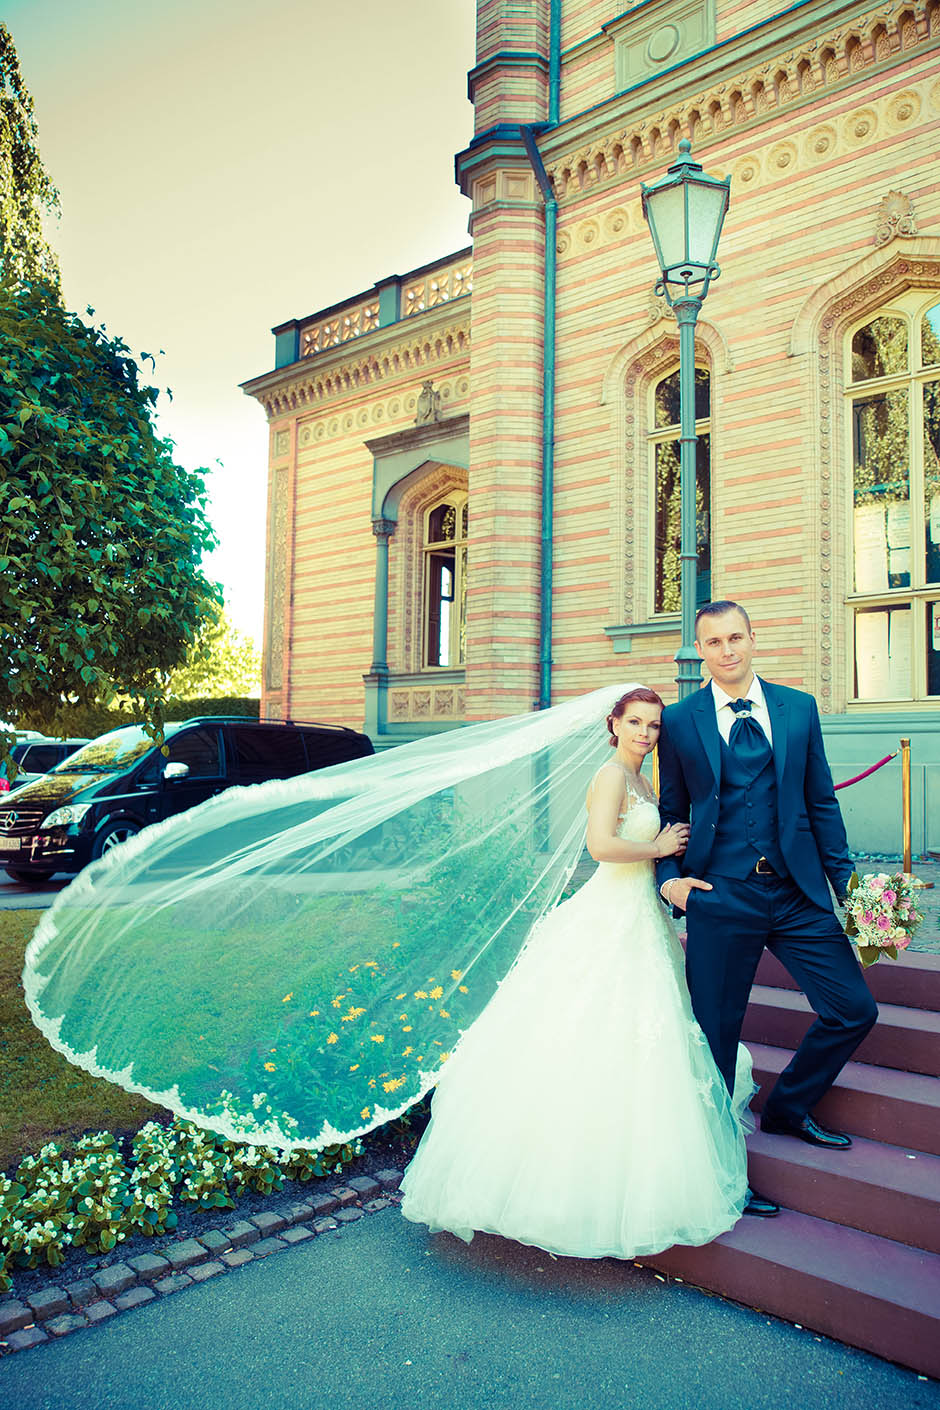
(763,867)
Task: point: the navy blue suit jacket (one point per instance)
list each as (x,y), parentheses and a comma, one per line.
(811,831)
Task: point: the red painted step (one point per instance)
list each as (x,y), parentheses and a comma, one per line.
(912,980)
(901,1108)
(881,1189)
(903,1038)
(862,1289)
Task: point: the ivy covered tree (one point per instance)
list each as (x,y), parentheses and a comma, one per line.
(26,192)
(101,533)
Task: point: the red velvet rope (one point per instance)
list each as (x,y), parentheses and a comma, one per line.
(880,764)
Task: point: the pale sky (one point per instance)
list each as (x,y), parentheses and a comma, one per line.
(224,166)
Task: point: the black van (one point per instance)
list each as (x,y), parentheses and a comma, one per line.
(119,783)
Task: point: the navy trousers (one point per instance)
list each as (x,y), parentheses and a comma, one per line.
(728,928)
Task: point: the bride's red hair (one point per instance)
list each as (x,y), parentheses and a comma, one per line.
(641,692)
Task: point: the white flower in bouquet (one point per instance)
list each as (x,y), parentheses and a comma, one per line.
(881,917)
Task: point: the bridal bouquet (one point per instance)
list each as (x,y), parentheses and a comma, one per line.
(881,915)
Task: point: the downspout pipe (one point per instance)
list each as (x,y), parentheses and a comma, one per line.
(548,415)
(554,62)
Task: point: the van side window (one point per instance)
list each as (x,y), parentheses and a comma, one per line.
(199,749)
(262,753)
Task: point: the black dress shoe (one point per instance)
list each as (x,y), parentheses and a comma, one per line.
(759,1206)
(807,1129)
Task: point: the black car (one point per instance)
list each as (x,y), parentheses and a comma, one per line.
(117,784)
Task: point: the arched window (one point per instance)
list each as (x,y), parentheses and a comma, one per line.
(893,400)
(444,631)
(666,522)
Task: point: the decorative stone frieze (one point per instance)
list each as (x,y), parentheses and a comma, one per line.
(759,93)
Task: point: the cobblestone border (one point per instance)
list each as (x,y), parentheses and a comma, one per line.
(56,1311)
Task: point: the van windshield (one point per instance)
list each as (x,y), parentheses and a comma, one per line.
(110,753)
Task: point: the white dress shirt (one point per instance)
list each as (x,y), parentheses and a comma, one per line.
(724,714)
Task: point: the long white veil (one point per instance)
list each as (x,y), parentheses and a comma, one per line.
(292,963)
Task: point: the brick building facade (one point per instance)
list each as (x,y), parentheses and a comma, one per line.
(419,577)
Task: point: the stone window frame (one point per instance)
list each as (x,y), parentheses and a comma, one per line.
(406,575)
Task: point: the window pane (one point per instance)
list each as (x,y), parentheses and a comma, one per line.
(933,648)
(883,653)
(463,519)
(932,479)
(440,595)
(267,753)
(667,595)
(930,337)
(667,409)
(199,749)
(879,349)
(882,492)
(442,524)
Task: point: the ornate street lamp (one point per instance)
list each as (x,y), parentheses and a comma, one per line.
(685,210)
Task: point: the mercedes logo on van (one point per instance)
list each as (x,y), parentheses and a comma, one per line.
(7,821)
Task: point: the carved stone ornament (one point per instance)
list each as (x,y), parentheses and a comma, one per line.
(657,307)
(895,217)
(429,404)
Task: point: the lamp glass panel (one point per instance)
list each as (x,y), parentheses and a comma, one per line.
(667,218)
(706,212)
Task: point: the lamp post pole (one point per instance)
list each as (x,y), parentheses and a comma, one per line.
(688,663)
(685,210)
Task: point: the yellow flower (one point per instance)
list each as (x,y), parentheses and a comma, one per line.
(366,1114)
(371,1081)
(333,1038)
(456,974)
(270,1067)
(393,1083)
(408,1050)
(402,1017)
(377,1038)
(287,998)
(419,1058)
(337,1003)
(355,1067)
(444,1013)
(407,1028)
(353,968)
(463,988)
(314,1013)
(401,996)
(421,993)
(444,1057)
(371,964)
(395,944)
(436,993)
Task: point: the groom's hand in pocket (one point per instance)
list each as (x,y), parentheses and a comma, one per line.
(676,892)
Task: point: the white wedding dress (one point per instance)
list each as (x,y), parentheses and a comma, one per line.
(582,1112)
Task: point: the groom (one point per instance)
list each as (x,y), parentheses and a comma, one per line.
(743,761)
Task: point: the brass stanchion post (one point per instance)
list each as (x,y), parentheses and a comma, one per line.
(906,803)
(656,770)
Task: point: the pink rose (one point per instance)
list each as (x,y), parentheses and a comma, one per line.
(903,941)
(888,896)
(883,923)
(868,917)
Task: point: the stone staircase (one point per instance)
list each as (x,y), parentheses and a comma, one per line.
(855,1250)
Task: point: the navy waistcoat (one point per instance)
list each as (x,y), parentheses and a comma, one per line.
(747,819)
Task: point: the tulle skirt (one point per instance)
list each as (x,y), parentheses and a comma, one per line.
(582,1112)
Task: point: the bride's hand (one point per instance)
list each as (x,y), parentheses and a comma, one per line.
(673,839)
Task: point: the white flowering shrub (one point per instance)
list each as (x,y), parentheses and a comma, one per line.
(97,1199)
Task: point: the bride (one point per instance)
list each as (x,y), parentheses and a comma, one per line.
(297,963)
(620,1146)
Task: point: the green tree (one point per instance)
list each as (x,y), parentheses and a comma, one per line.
(221,662)
(101,533)
(26,192)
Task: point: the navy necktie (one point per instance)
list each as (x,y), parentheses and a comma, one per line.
(749,742)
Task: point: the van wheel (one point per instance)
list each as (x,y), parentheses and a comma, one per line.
(111,835)
(20,874)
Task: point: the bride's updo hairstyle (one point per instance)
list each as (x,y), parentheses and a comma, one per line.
(641,692)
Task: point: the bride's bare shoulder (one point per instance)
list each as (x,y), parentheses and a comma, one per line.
(608,784)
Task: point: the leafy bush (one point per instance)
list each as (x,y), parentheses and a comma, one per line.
(96,1199)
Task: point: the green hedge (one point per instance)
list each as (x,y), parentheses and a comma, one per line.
(93,720)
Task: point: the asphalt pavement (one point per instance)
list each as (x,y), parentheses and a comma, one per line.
(382,1315)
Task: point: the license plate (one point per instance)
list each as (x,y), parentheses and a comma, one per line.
(9,844)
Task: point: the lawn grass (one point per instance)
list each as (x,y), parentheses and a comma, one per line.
(43,1097)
